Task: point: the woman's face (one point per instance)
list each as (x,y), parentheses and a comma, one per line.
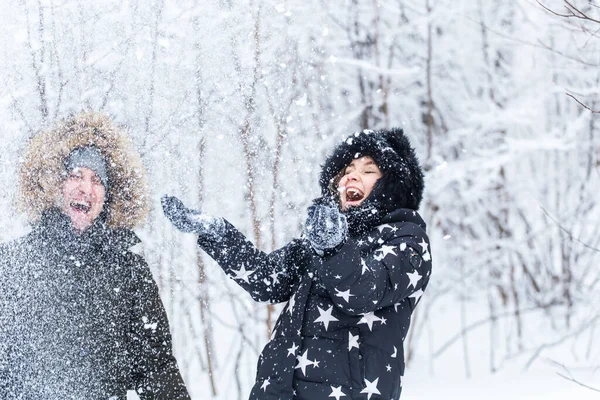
(358,181)
(83,196)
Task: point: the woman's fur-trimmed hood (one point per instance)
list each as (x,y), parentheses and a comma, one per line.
(402,183)
(43,169)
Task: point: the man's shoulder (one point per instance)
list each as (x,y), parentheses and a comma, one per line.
(18,245)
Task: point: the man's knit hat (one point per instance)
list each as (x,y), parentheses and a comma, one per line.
(88,157)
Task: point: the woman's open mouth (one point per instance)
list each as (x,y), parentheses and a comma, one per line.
(81,206)
(353,194)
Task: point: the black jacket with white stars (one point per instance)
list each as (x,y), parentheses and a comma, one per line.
(81,318)
(341,333)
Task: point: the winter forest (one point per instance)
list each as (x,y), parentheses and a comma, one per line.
(233,106)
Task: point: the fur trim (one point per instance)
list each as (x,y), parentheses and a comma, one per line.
(402,183)
(43,170)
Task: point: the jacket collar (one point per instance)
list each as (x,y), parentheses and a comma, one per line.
(404,215)
(57,228)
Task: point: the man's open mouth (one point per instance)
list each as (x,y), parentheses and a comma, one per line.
(353,194)
(81,206)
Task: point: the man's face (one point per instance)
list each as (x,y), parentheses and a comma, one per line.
(83,196)
(358,181)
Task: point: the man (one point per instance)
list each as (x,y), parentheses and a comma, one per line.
(81,317)
(351,284)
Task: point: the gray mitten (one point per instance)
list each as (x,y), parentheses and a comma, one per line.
(326,227)
(192,221)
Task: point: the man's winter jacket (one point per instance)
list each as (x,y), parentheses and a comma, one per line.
(81,317)
(341,333)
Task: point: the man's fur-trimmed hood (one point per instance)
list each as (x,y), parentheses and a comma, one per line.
(43,170)
(402,183)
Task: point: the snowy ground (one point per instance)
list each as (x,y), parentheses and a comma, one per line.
(513,380)
(542,383)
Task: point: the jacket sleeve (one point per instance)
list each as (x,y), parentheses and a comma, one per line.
(362,279)
(154,374)
(266,277)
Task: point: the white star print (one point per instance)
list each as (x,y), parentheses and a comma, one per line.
(292,350)
(337,392)
(402,246)
(382,227)
(360,242)
(385,250)
(265,384)
(364,266)
(344,295)
(389,368)
(326,316)
(383,321)
(417,295)
(338,277)
(274,276)
(303,362)
(414,277)
(369,319)
(371,388)
(395,353)
(426,256)
(291,304)
(424,245)
(352,341)
(242,273)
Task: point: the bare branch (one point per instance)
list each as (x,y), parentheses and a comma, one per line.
(552,11)
(479,323)
(562,228)
(574,10)
(570,378)
(583,105)
(583,327)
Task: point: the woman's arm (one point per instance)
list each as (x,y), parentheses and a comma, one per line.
(266,277)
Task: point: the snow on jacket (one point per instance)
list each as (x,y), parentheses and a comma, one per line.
(341,333)
(81,317)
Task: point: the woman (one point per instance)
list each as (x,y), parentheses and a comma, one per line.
(351,284)
(81,316)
